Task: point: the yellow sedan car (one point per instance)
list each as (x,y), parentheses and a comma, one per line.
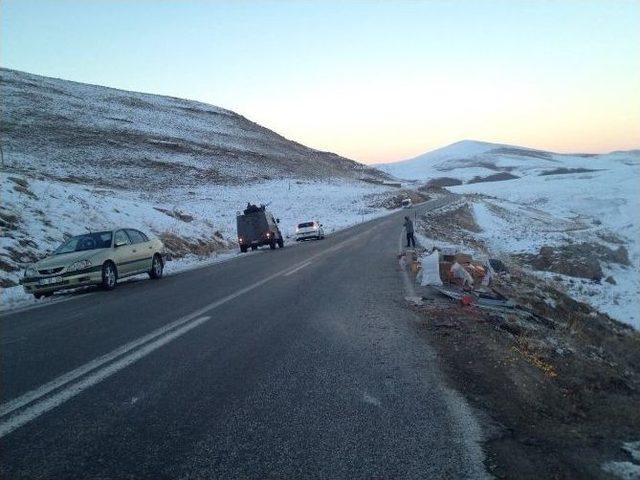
(96,258)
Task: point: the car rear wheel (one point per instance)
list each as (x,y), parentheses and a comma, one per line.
(280,243)
(272,245)
(109,276)
(157,267)
(254,247)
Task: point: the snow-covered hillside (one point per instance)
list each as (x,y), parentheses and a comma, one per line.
(583,206)
(470,161)
(596,208)
(80,157)
(115,138)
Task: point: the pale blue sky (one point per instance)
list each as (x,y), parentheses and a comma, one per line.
(373,81)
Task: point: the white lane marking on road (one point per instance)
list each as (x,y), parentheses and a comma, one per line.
(291,272)
(72,390)
(47,388)
(155,337)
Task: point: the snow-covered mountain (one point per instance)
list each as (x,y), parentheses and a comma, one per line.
(471,161)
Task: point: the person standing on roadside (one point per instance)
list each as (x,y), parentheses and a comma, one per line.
(408,226)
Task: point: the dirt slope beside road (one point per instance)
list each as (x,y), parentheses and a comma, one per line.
(560,384)
(559,381)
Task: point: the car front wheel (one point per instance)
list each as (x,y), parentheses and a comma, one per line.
(157,267)
(109,276)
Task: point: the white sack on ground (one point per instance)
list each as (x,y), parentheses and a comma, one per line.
(430,270)
(460,273)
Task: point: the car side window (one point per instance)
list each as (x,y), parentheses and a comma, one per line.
(136,236)
(121,238)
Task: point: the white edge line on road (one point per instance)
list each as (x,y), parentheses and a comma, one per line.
(291,272)
(72,390)
(155,339)
(98,362)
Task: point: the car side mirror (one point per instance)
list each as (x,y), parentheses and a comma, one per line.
(119,243)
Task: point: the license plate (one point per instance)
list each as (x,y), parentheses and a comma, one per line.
(50,280)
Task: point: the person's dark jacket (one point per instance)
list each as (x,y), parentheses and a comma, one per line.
(408,225)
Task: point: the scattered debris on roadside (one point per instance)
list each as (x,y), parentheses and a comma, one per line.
(556,382)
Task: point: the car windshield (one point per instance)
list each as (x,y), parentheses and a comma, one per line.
(305,225)
(89,241)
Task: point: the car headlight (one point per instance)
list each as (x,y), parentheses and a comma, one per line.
(79,265)
(31,271)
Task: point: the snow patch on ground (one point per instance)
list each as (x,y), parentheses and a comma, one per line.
(623,470)
(633,449)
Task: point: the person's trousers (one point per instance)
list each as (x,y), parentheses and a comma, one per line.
(411,240)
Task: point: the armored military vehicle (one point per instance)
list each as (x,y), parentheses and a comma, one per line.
(257,227)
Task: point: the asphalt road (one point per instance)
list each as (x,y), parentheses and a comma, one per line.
(303,362)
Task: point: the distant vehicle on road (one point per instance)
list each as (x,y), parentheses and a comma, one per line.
(407,203)
(257,227)
(309,230)
(96,258)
